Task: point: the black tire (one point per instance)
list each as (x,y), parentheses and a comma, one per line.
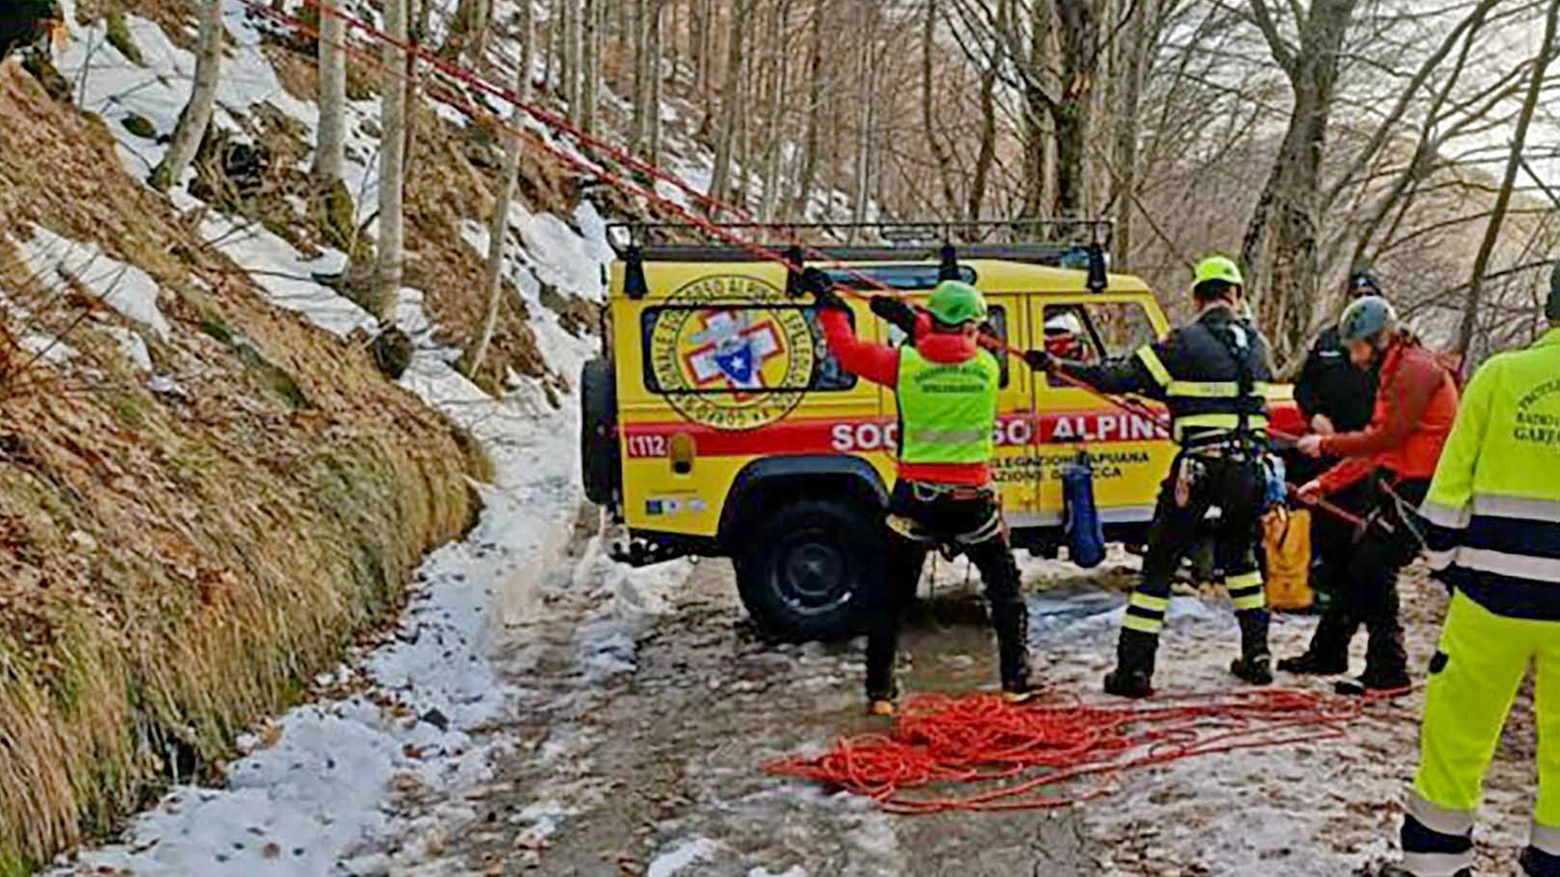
(601,467)
(805,568)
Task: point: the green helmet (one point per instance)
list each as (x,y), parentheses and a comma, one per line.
(1366,318)
(1220,268)
(955,303)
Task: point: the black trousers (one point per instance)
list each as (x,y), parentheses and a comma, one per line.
(922,518)
(1332,540)
(1196,484)
(1367,593)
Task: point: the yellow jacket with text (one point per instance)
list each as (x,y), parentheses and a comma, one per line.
(1494,506)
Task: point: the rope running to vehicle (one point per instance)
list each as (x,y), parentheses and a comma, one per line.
(559,123)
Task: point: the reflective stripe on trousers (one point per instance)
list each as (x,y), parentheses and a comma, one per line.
(1482,662)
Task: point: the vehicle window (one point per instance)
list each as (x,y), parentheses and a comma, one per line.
(996,325)
(1091,332)
(905,277)
(738,350)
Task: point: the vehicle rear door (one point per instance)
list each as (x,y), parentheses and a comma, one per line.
(1129,453)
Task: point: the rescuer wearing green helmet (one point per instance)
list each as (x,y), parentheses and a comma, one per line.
(947,387)
(1492,519)
(1213,376)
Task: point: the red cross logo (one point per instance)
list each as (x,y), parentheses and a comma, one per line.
(732,349)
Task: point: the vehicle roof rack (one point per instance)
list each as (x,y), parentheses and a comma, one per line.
(1064,243)
(886,240)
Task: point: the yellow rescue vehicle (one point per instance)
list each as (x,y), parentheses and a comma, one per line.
(716,423)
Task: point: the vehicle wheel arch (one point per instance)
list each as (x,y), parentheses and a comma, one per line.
(780,479)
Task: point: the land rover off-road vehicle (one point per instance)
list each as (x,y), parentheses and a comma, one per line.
(717,424)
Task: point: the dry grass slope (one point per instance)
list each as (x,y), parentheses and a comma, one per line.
(173,565)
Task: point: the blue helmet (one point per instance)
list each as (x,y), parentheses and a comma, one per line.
(1367,319)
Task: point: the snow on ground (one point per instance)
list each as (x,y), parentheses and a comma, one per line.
(321,799)
(128,290)
(686,853)
(286,275)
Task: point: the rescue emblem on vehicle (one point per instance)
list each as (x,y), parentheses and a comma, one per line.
(732,353)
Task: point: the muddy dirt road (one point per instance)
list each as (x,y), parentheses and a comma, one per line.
(652,717)
(649,708)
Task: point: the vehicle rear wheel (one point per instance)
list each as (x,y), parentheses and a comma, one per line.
(805,569)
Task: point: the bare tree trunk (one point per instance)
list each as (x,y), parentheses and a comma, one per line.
(590,15)
(809,168)
(392,165)
(526,24)
(1037,109)
(1073,113)
(468,30)
(866,107)
(988,144)
(328,147)
(552,52)
(498,225)
(655,73)
(674,46)
(776,61)
(1481,264)
(1281,242)
(741,160)
(639,134)
(929,122)
(570,65)
(1134,50)
(706,49)
(729,109)
(196,116)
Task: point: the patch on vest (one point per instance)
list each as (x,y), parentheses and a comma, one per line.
(732,353)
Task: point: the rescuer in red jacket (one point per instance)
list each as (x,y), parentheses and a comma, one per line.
(1415,407)
(946,386)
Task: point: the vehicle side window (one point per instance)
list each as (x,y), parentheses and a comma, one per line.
(996,325)
(1092,332)
(740,349)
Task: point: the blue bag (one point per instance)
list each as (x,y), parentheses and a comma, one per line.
(1276,492)
(1080,519)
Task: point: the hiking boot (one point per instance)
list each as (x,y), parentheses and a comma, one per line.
(1368,685)
(1313,664)
(1328,653)
(1019,696)
(1134,673)
(881,707)
(1255,664)
(1135,684)
(1255,670)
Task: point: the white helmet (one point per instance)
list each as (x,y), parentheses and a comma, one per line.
(1064,323)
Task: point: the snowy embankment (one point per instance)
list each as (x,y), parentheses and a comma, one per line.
(336,787)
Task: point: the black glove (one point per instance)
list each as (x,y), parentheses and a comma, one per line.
(1040,360)
(822,287)
(895,312)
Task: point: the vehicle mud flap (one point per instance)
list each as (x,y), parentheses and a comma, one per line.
(1085,534)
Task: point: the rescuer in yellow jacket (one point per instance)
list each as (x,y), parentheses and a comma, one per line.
(1493,531)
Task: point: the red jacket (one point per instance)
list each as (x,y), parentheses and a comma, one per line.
(1415,407)
(879,363)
